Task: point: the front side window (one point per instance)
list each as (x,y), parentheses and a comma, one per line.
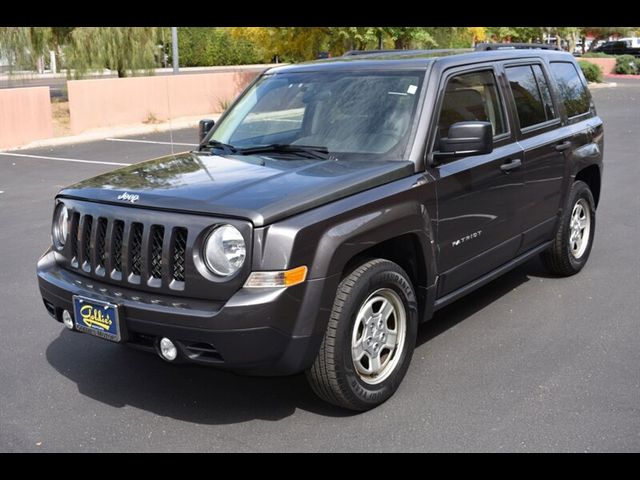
(472,97)
(573,93)
(354,114)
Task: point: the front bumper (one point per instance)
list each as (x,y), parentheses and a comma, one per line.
(257,331)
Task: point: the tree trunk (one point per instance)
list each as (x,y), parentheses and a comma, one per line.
(573,41)
(594,41)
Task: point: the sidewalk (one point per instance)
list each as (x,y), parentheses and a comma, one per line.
(619,75)
(121,131)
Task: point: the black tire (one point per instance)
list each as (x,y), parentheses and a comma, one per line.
(559,259)
(333,376)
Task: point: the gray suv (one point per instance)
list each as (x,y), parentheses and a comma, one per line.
(335,206)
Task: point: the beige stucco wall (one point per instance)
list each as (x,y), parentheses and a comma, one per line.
(25,115)
(120,101)
(607,65)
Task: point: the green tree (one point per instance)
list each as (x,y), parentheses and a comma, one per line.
(126,50)
(23,46)
(341,39)
(411,37)
(501,34)
(455,37)
(205,46)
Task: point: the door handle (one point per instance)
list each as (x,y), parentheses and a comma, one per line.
(511,165)
(561,147)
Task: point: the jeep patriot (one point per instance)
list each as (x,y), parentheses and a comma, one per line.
(332,208)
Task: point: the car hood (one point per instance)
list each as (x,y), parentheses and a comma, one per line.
(260,189)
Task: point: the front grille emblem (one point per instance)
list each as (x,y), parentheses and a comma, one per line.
(129,197)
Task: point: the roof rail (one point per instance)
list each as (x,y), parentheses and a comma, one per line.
(352,53)
(512,46)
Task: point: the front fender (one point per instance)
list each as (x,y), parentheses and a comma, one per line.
(325,239)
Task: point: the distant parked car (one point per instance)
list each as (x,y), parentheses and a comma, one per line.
(633,42)
(618,47)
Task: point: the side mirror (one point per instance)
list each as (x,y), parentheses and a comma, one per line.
(204,127)
(467,138)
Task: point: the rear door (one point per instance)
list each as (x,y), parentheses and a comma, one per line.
(477,195)
(578,112)
(538,123)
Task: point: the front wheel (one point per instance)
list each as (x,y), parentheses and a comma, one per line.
(370,338)
(573,240)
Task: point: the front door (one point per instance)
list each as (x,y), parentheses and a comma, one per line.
(477,195)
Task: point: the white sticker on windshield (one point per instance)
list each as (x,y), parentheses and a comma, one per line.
(412,89)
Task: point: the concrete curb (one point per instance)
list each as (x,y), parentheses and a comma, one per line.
(595,86)
(620,75)
(122,131)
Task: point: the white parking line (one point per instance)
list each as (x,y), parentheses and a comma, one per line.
(150,141)
(61,159)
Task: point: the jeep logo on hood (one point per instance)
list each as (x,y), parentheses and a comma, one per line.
(129,197)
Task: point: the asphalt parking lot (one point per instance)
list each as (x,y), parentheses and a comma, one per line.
(527,363)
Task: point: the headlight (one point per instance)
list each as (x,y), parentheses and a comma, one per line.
(225,250)
(60,228)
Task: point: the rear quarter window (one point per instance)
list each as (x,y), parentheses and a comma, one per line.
(573,92)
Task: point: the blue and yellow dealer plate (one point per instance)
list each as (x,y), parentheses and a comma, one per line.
(96,318)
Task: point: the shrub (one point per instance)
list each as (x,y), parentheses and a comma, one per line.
(597,55)
(626,65)
(592,72)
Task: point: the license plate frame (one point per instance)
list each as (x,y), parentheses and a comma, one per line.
(97,317)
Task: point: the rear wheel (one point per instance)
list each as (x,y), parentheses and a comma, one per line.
(572,244)
(370,337)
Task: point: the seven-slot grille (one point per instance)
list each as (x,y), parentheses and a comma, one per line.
(128,251)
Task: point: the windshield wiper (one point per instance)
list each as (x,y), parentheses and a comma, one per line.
(222,146)
(312,151)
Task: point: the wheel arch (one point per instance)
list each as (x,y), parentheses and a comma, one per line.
(592,177)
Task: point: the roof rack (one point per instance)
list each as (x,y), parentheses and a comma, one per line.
(512,46)
(352,53)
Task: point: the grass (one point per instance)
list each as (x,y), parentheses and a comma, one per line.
(61,118)
(151,119)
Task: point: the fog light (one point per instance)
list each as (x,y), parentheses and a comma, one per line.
(168,350)
(67,319)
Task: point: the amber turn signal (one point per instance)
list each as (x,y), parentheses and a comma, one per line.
(286,278)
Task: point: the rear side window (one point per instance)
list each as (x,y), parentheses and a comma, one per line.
(572,91)
(531,94)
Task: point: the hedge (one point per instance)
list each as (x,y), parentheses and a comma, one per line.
(592,72)
(627,65)
(596,55)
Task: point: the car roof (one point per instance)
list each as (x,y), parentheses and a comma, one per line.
(415,59)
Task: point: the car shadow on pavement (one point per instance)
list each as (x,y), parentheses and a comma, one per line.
(467,306)
(119,376)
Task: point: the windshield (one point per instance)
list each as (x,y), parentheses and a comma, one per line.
(352,114)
